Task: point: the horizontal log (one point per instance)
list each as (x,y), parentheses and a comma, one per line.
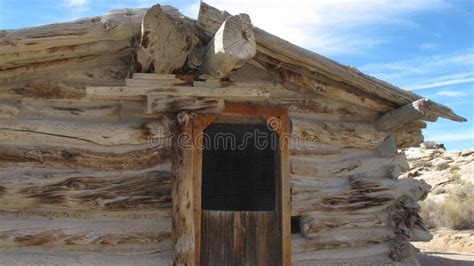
(344,165)
(316,225)
(363,195)
(121,255)
(341,134)
(307,184)
(58,212)
(157,104)
(420,109)
(302,251)
(83,132)
(115,25)
(349,237)
(153,76)
(99,158)
(235,94)
(51,70)
(8,111)
(15,60)
(408,136)
(86,190)
(405,114)
(92,111)
(58,232)
(156,82)
(299,147)
(314,104)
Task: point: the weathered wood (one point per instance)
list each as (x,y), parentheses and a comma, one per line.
(239,238)
(233,93)
(116,25)
(92,157)
(314,224)
(120,255)
(405,114)
(408,136)
(8,111)
(407,223)
(299,147)
(183,234)
(156,104)
(156,82)
(110,66)
(351,162)
(304,251)
(82,132)
(153,76)
(419,109)
(285,189)
(231,47)
(165,43)
(341,134)
(350,237)
(388,148)
(15,60)
(363,195)
(77,234)
(92,111)
(86,190)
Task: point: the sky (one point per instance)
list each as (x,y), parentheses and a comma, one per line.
(426,46)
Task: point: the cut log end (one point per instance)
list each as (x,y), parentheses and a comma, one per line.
(231,47)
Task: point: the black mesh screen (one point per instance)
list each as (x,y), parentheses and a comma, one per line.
(238,170)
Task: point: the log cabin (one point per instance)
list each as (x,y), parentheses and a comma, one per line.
(108,155)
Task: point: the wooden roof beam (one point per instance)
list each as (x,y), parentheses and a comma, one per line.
(420,109)
(231,47)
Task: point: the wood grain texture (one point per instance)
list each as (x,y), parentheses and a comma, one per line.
(86,190)
(231,47)
(183,234)
(239,238)
(165,42)
(156,104)
(234,93)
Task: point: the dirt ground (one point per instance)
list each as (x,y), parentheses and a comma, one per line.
(445,259)
(448,247)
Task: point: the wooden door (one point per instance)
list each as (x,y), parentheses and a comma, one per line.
(239,216)
(239,238)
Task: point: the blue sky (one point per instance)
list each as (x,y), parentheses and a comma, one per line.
(426,46)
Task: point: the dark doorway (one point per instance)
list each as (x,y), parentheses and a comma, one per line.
(239,221)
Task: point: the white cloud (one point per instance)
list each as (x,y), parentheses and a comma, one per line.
(426,72)
(452,136)
(442,81)
(427,46)
(450,93)
(326,26)
(76,3)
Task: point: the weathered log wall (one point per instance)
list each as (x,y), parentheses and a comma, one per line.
(347,193)
(80,175)
(86,180)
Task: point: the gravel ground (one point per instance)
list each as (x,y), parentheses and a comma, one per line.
(445,259)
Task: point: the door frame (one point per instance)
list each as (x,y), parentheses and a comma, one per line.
(277,119)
